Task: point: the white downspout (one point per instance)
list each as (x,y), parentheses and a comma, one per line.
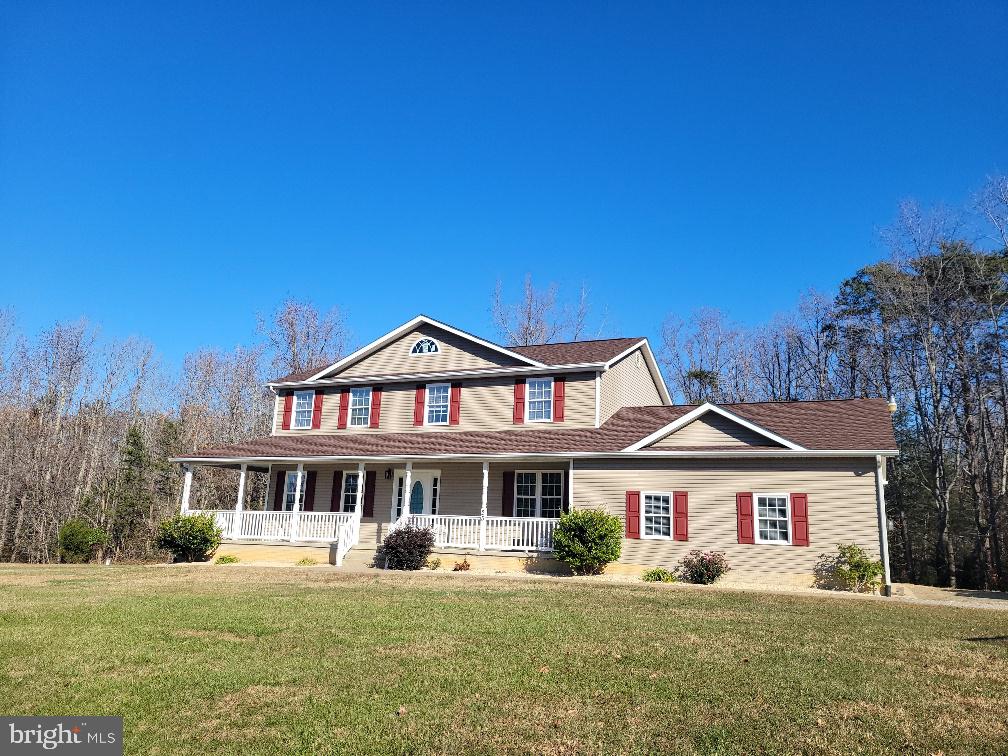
(883,522)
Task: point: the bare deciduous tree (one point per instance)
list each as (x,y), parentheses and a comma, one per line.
(301,338)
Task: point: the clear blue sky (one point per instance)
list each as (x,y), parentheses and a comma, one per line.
(170,171)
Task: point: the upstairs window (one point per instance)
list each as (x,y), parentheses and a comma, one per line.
(772,518)
(540,400)
(425,346)
(437,403)
(303,403)
(360,407)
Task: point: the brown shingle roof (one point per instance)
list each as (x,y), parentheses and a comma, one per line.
(575,352)
(861,424)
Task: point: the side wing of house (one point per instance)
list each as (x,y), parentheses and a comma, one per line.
(715,431)
(629,382)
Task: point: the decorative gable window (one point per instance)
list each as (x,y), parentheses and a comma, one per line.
(773,519)
(437,403)
(425,346)
(360,407)
(303,404)
(540,400)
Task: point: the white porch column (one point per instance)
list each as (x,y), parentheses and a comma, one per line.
(239,503)
(359,504)
(483,506)
(570,486)
(186,488)
(296,509)
(883,522)
(407,485)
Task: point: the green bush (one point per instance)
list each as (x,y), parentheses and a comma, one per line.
(190,538)
(703,567)
(659,575)
(227,559)
(433,563)
(850,569)
(79,541)
(406,548)
(587,540)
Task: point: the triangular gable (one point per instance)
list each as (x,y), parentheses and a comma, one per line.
(712,426)
(456,350)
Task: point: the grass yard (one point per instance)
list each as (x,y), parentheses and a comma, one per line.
(240,660)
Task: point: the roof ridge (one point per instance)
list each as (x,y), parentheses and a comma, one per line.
(580,341)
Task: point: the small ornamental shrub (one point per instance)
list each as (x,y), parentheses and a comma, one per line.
(407,548)
(850,569)
(659,575)
(462,566)
(306,562)
(587,540)
(226,559)
(433,563)
(190,538)
(79,542)
(703,567)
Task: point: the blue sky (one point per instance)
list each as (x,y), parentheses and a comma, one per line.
(170,171)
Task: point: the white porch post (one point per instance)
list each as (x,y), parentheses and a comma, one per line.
(883,522)
(296,509)
(186,488)
(407,485)
(239,503)
(483,506)
(359,504)
(570,486)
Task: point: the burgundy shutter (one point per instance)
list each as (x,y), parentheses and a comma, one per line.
(633,514)
(336,496)
(507,494)
(799,519)
(376,406)
(309,492)
(288,407)
(278,492)
(680,516)
(418,404)
(344,408)
(370,478)
(559,384)
(316,415)
(519,401)
(454,404)
(743,506)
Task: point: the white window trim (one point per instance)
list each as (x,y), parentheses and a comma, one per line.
(420,472)
(790,526)
(528,401)
(311,415)
(342,494)
(437,346)
(426,408)
(304,488)
(671,498)
(538,497)
(350,408)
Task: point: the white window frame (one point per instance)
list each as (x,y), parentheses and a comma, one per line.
(528,399)
(343,491)
(538,493)
(671,515)
(288,506)
(756,519)
(350,409)
(427,405)
(294,410)
(437,347)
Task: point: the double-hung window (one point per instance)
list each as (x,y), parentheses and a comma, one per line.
(772,518)
(350,483)
(437,403)
(304,402)
(540,400)
(657,515)
(360,407)
(290,486)
(538,494)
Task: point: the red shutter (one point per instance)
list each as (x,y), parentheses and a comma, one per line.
(680,518)
(633,514)
(507,494)
(375,406)
(519,401)
(344,408)
(309,492)
(559,384)
(799,519)
(454,402)
(370,478)
(316,415)
(418,404)
(743,507)
(336,496)
(288,406)
(278,492)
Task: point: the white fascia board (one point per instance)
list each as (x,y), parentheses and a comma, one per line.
(406,328)
(702,410)
(653,368)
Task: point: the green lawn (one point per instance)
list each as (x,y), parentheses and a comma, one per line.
(239,660)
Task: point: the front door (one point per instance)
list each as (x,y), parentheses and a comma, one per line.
(422,496)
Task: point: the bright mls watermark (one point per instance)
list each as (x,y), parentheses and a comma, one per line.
(81,736)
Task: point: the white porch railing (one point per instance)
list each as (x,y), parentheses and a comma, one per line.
(482,533)
(286,526)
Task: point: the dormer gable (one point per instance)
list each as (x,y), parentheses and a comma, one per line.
(714,427)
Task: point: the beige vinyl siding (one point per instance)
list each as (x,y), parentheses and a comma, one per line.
(841,506)
(713,430)
(487,404)
(456,353)
(628,383)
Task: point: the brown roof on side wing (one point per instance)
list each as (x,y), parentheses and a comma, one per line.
(577,352)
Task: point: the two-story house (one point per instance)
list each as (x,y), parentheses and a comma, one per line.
(489,445)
